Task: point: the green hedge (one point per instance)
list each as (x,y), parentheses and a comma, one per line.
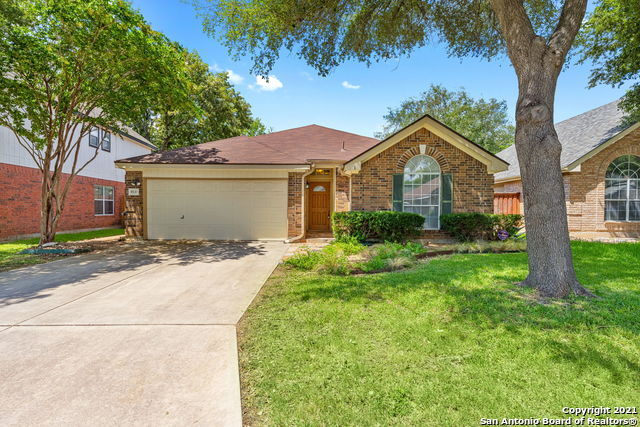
(387,226)
(467,227)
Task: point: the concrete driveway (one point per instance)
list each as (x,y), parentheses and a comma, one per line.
(143,335)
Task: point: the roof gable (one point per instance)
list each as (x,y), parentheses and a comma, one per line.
(493,162)
(581,136)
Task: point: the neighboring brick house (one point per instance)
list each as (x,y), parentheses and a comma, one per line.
(285,185)
(601,167)
(96,197)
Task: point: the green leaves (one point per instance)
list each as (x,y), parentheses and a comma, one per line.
(611,40)
(485,122)
(327,33)
(215,111)
(95,60)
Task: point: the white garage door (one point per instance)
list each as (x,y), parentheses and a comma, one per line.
(216,209)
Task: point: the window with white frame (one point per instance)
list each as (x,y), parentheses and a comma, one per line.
(103,200)
(421,189)
(106,140)
(94,137)
(622,189)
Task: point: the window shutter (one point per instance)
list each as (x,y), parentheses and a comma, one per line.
(398,181)
(447,193)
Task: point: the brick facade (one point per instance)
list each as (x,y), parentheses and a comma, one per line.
(134,206)
(585,193)
(372,188)
(294,204)
(20,189)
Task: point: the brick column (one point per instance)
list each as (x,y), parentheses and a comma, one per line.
(294,204)
(343,193)
(134,206)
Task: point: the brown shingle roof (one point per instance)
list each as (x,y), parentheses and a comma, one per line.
(293,146)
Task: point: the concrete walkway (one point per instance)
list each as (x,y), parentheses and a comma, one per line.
(143,336)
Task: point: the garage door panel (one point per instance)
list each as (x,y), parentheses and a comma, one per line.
(217,209)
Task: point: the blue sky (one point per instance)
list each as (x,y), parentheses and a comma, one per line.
(355,97)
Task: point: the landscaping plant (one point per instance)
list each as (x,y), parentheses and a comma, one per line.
(471,226)
(385,226)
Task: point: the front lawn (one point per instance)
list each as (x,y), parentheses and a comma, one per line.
(446,343)
(11,258)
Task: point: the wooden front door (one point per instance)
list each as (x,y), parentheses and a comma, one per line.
(319,206)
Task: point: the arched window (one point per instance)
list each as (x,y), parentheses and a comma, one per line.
(421,189)
(622,189)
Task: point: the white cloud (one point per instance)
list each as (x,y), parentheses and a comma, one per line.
(215,68)
(272,84)
(234,78)
(347,85)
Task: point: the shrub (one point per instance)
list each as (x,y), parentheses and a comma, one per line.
(471,226)
(305,260)
(390,256)
(382,225)
(350,246)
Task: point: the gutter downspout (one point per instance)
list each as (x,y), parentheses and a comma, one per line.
(301,235)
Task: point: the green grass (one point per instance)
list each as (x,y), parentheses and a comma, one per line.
(446,343)
(9,252)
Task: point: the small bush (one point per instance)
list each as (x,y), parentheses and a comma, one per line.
(349,246)
(334,261)
(466,227)
(383,225)
(305,260)
(390,256)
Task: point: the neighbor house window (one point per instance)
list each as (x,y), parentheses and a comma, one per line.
(622,189)
(106,141)
(94,137)
(103,199)
(421,189)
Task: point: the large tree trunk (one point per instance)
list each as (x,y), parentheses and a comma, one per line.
(551,269)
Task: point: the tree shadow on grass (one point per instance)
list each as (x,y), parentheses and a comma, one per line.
(481,289)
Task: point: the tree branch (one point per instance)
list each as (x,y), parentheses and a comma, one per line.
(565,33)
(516,28)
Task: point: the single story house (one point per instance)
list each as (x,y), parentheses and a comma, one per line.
(601,167)
(285,185)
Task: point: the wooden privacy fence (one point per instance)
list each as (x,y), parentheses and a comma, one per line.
(506,203)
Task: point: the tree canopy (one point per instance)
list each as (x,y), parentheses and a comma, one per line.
(67,66)
(611,39)
(80,62)
(217,111)
(327,33)
(485,122)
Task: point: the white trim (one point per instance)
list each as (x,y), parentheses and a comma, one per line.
(140,167)
(493,163)
(575,166)
(439,203)
(571,166)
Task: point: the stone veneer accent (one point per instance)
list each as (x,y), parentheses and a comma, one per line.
(294,204)
(134,206)
(585,193)
(371,189)
(343,193)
